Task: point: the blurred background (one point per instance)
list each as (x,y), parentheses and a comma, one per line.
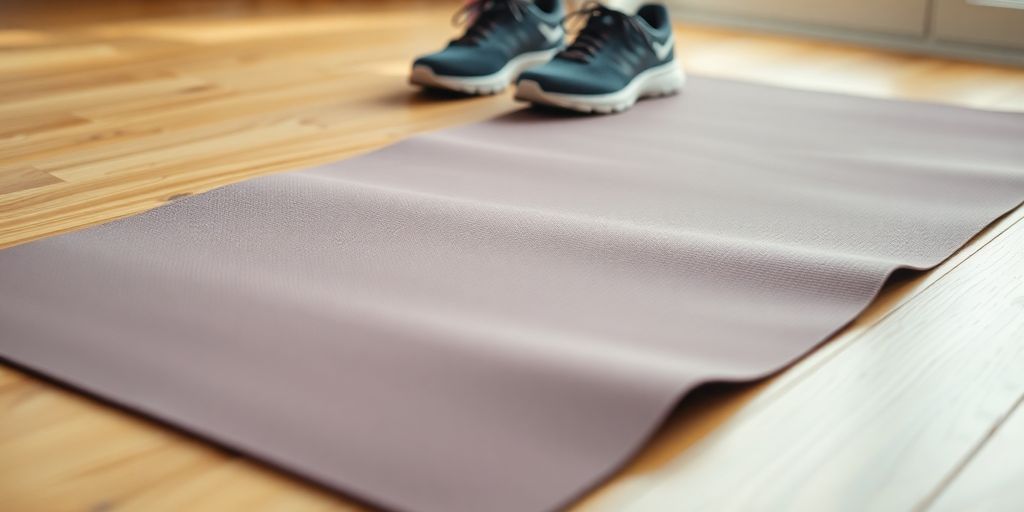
(985,30)
(981,29)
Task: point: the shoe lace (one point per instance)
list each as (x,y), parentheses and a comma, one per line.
(595,33)
(482,17)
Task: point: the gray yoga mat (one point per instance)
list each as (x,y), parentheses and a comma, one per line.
(494,317)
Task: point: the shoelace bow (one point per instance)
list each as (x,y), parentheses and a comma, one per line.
(594,34)
(480,14)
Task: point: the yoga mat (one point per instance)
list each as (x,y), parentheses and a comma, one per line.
(494,317)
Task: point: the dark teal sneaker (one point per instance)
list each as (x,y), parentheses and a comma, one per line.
(504,38)
(615,60)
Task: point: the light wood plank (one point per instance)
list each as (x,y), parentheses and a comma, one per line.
(991,480)
(75,56)
(25,178)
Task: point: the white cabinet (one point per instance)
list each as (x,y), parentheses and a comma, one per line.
(990,30)
(992,22)
(886,16)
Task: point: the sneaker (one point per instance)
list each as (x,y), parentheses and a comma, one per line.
(504,38)
(615,60)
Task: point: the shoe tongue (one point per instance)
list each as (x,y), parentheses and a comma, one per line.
(496,14)
(606,23)
(606,17)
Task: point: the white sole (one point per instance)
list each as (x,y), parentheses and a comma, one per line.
(662,80)
(485,84)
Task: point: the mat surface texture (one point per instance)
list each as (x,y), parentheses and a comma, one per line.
(494,317)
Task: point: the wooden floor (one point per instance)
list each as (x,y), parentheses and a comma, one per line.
(108,112)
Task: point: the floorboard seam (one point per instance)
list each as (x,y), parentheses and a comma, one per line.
(959,468)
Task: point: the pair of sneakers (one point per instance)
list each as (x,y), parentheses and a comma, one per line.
(616,58)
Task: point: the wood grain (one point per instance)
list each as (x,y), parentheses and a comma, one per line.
(991,481)
(112,109)
(25,178)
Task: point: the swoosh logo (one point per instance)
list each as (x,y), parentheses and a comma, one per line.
(662,49)
(552,34)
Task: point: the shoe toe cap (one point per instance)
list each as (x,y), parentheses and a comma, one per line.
(460,62)
(561,80)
